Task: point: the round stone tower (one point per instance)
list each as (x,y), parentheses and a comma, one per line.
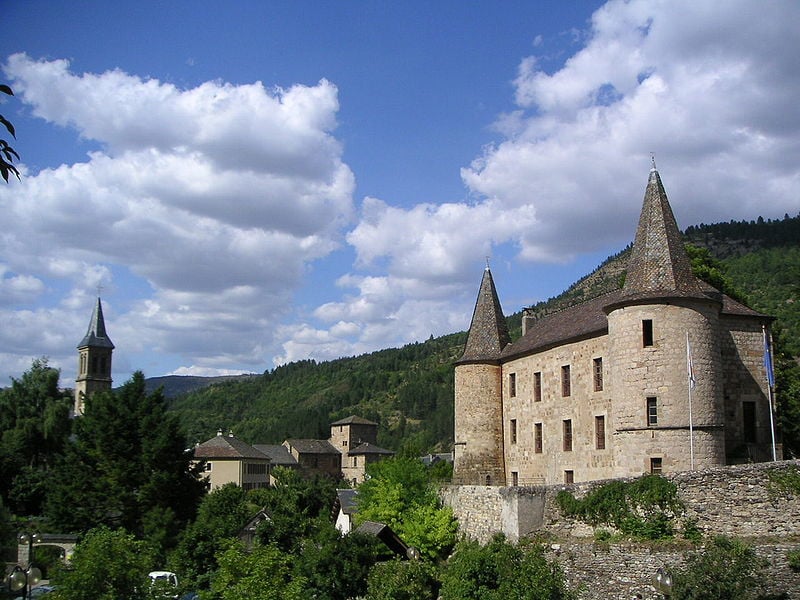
(664,352)
(478,453)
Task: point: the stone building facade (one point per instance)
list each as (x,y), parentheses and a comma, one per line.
(662,375)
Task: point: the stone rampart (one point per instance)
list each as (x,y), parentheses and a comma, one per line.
(741,501)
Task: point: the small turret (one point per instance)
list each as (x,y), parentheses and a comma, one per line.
(478,454)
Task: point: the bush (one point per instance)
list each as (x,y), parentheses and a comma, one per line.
(643,508)
(727,568)
(402,580)
(502,571)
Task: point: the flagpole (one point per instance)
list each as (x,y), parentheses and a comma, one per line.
(770,385)
(690,373)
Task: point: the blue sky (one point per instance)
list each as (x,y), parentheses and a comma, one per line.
(285,180)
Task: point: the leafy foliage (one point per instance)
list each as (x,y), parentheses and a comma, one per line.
(7,153)
(322,563)
(785,480)
(407,391)
(726,568)
(643,508)
(127,467)
(221,515)
(34,426)
(107,565)
(402,580)
(399,492)
(262,573)
(502,571)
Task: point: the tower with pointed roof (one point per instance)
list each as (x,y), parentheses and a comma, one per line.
(478,456)
(664,374)
(94,360)
(663,316)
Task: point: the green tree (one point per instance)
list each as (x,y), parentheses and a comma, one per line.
(502,571)
(7,153)
(727,569)
(335,567)
(35,425)
(402,580)
(399,492)
(221,515)
(713,272)
(263,573)
(127,467)
(107,565)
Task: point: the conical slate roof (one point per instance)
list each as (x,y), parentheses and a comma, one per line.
(659,263)
(96,336)
(488,332)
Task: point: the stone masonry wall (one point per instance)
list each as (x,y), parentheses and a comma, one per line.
(735,501)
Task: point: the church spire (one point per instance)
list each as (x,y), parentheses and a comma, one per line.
(659,262)
(94,360)
(488,332)
(96,335)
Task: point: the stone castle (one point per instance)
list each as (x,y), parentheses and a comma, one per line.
(663,375)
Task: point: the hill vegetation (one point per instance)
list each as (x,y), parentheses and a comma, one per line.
(409,390)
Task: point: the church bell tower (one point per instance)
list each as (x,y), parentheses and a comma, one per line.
(94,360)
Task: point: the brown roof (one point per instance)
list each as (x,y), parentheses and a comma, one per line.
(488,332)
(353,420)
(589,320)
(278,454)
(571,324)
(312,446)
(227,446)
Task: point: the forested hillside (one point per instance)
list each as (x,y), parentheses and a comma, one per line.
(409,390)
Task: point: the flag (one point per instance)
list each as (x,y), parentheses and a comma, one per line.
(768,359)
(689,365)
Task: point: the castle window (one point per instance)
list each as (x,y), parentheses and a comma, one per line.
(513,431)
(537,438)
(652,411)
(600,432)
(749,422)
(94,365)
(566,384)
(344,443)
(355,461)
(514,478)
(647,333)
(207,467)
(537,386)
(512,385)
(597,364)
(567,435)
(655,466)
(569,476)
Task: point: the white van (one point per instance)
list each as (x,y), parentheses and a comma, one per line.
(165,581)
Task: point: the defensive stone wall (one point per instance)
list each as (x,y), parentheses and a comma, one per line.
(742,501)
